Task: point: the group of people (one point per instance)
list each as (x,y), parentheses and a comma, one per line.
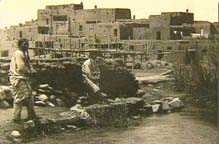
(20,75)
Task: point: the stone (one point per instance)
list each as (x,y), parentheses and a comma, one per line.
(80,111)
(135,117)
(15,134)
(156,90)
(82,100)
(153,63)
(156,108)
(40,103)
(73,127)
(77,114)
(34,93)
(147,95)
(137,66)
(4,104)
(59,102)
(150,85)
(30,124)
(44,86)
(5,66)
(44,91)
(176,103)
(157,102)
(150,66)
(50,104)
(6,93)
(43,97)
(17,140)
(140,93)
(3,95)
(59,92)
(62,129)
(52,97)
(117,100)
(165,107)
(132,103)
(168,99)
(68,119)
(148,109)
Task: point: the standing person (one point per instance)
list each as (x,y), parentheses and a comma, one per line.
(19,76)
(91,76)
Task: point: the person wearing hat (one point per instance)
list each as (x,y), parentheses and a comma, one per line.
(91,76)
(20,70)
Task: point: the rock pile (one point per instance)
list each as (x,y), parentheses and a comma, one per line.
(6,96)
(165,105)
(45,95)
(59,81)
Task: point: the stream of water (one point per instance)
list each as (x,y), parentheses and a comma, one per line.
(174,128)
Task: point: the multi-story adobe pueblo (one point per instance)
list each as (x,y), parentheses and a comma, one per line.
(70,26)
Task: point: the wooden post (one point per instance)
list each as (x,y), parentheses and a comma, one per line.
(125,58)
(141,58)
(38,53)
(133,61)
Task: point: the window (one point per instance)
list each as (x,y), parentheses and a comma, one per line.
(80,28)
(20,34)
(43,30)
(47,21)
(49,44)
(82,45)
(91,22)
(38,44)
(169,48)
(158,35)
(115,32)
(4,53)
(60,18)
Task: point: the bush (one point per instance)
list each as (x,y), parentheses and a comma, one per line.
(199,77)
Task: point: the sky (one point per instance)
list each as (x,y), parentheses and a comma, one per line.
(13,12)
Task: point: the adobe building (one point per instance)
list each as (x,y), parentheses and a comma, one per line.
(98,24)
(168,25)
(205,29)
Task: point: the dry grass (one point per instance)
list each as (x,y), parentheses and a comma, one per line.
(199,77)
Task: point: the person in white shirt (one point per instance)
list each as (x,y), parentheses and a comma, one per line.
(91,76)
(20,70)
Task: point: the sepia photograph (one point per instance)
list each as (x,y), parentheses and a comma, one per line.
(109,71)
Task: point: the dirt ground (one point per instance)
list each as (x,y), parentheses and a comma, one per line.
(7,126)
